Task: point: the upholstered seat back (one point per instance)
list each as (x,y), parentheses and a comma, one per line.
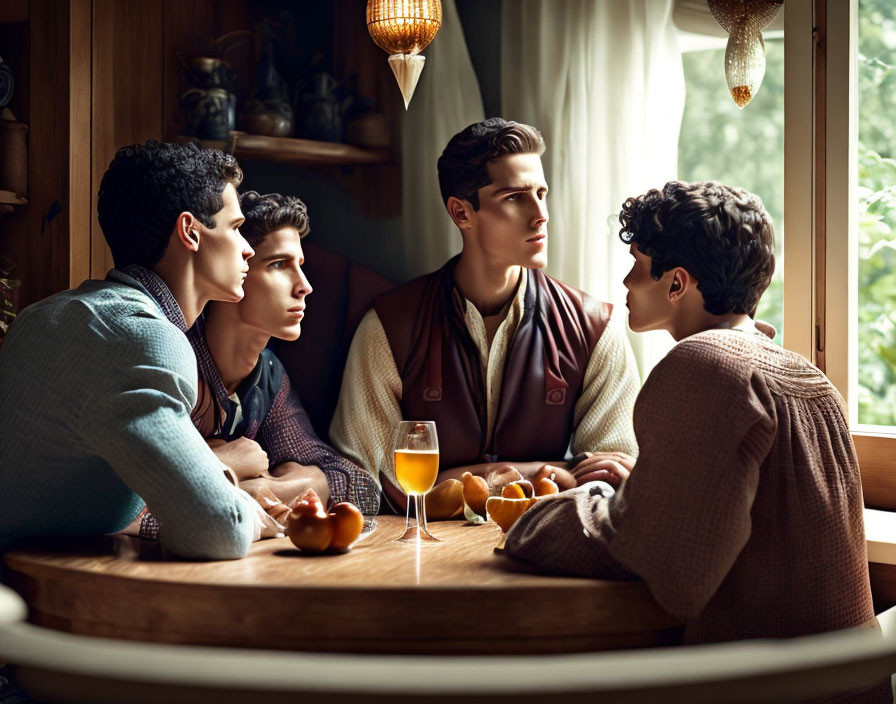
(343,293)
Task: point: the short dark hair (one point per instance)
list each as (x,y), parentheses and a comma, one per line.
(462,166)
(148,185)
(721,235)
(270,212)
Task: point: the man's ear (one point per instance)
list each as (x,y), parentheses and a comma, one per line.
(187,231)
(461,212)
(680,284)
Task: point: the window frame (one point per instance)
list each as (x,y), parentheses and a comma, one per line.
(820,193)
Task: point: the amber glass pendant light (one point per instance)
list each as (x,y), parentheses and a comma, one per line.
(744,21)
(404,28)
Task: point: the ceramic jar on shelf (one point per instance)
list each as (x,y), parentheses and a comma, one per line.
(208,103)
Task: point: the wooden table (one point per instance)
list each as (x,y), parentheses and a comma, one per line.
(383,596)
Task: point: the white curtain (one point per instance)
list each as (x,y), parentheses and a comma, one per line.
(447,99)
(603,81)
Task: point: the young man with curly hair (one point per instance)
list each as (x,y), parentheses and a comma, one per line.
(97,383)
(247,409)
(513,365)
(743,512)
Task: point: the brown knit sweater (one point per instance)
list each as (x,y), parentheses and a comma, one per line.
(743,513)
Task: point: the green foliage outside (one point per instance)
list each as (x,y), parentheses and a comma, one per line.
(877,212)
(745,148)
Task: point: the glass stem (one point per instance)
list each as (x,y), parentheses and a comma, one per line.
(407,515)
(420,511)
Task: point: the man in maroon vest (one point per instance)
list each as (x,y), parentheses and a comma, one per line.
(516,368)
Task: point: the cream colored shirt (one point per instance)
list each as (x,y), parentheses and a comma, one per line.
(369,402)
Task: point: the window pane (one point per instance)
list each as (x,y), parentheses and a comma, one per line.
(745,148)
(877,213)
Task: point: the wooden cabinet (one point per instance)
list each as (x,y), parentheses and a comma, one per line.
(48,239)
(104,73)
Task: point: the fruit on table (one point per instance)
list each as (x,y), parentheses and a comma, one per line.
(348,522)
(475,492)
(513,491)
(311,529)
(545,486)
(563,478)
(505,512)
(519,489)
(446,500)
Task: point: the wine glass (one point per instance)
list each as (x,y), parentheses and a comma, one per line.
(416,449)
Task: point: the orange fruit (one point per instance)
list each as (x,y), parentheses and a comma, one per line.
(513,491)
(505,512)
(446,500)
(308,525)
(545,486)
(475,492)
(348,521)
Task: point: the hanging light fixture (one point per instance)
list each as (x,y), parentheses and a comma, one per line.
(744,21)
(404,28)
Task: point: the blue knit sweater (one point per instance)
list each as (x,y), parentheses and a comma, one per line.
(96,388)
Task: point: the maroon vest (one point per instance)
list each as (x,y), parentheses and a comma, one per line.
(442,379)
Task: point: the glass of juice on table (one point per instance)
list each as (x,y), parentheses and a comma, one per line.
(416,448)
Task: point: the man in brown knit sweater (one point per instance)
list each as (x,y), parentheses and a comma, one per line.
(743,513)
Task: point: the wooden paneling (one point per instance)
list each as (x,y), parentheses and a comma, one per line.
(14,233)
(127,92)
(38,239)
(79,188)
(14,11)
(877,462)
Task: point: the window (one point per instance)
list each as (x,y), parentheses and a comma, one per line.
(839,184)
(838,294)
(738,147)
(875,203)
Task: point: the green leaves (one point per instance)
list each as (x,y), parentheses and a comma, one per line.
(877,214)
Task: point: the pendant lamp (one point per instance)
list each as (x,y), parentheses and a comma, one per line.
(404,28)
(744,21)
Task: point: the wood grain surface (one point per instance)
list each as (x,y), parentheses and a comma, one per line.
(877,459)
(383,596)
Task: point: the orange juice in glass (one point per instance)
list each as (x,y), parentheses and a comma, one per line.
(416,448)
(416,470)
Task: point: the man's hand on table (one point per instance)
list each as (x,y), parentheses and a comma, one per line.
(276,493)
(271,513)
(244,456)
(290,480)
(610,467)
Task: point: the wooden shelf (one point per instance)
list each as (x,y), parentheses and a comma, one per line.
(294,151)
(9,199)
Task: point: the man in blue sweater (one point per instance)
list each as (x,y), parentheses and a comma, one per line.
(97,383)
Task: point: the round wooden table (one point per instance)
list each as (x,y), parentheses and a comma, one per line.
(457,596)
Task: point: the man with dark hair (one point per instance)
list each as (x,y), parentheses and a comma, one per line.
(514,366)
(248,409)
(743,513)
(97,383)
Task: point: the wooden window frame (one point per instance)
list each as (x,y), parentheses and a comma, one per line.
(821,39)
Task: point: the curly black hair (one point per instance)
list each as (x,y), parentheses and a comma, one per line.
(462,166)
(721,235)
(270,212)
(148,185)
